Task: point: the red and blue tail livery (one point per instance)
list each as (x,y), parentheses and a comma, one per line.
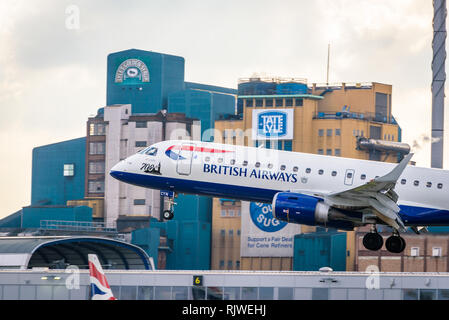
(99,287)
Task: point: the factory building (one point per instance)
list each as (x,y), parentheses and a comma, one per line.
(147,101)
(345,120)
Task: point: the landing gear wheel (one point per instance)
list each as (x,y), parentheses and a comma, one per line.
(373,241)
(395,244)
(168,215)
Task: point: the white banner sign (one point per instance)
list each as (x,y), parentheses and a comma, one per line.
(273,124)
(263,235)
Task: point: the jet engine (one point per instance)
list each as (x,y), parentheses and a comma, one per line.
(302,209)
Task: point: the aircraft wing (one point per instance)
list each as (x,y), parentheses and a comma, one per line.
(377,196)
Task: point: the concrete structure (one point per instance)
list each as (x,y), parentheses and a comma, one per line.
(230,285)
(61,252)
(324,119)
(438,81)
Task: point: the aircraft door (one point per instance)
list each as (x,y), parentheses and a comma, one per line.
(349,177)
(184,163)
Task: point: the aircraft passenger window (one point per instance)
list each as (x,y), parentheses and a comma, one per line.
(429,185)
(245,163)
(308,170)
(295,169)
(334,173)
(363,177)
(232,162)
(283,167)
(257,164)
(270,166)
(151,152)
(220,160)
(321,172)
(440,186)
(416,183)
(207,159)
(403,181)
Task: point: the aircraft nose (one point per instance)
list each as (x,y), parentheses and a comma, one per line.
(117,171)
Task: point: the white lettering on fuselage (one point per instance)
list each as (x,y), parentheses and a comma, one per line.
(251,173)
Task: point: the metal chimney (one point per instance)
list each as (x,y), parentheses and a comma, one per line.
(438,81)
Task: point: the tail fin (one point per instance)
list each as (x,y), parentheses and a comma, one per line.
(99,286)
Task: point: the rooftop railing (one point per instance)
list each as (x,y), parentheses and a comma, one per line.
(84,226)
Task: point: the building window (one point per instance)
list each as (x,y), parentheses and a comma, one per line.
(337,152)
(96,187)
(223,213)
(279,102)
(329,132)
(320,151)
(269,102)
(259,103)
(321,133)
(288,145)
(299,102)
(329,152)
(231,233)
(141,144)
(249,103)
(97,148)
(97,129)
(96,167)
(69,170)
(139,202)
(231,213)
(229,264)
(141,124)
(223,233)
(289,102)
(414,252)
(237,265)
(436,252)
(221,264)
(338,132)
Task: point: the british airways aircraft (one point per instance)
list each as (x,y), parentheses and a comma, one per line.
(306,189)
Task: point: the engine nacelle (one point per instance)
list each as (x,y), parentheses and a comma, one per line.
(302,209)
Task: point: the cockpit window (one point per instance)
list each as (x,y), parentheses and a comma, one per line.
(151,151)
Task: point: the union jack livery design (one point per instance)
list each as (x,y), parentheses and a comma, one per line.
(99,286)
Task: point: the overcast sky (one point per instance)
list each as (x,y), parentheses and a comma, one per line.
(53,71)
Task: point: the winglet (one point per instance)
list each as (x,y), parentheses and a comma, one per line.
(394,175)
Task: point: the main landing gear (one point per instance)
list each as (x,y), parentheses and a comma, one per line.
(374,241)
(170,212)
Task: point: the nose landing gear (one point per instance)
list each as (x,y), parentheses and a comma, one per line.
(170,212)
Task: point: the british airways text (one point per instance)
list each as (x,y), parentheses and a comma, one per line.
(254,173)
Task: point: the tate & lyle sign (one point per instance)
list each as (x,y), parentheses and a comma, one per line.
(132,71)
(273,124)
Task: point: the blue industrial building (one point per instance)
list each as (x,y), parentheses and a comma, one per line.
(149,82)
(58,172)
(320,249)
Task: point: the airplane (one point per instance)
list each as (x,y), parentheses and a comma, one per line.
(308,189)
(99,286)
